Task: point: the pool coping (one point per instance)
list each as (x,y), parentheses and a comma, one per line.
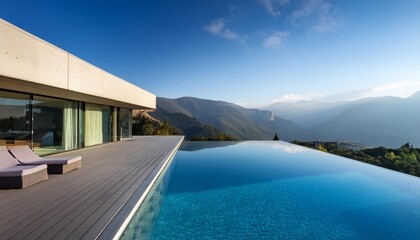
(117,225)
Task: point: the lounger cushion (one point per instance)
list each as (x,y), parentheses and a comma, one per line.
(24,154)
(56,160)
(6,160)
(17,171)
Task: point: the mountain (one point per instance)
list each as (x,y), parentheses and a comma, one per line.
(380,121)
(307,114)
(188,126)
(229,118)
(385,121)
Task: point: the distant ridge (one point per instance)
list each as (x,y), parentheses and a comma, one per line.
(375,121)
(188,126)
(378,121)
(229,118)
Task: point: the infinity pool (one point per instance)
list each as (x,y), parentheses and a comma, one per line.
(276,190)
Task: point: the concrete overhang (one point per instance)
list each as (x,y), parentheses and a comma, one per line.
(30,64)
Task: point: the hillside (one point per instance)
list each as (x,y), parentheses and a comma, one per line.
(190,126)
(234,120)
(308,114)
(381,121)
(386,121)
(144,124)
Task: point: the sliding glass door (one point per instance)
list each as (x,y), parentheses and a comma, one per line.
(106,124)
(54,125)
(125,123)
(93,124)
(14,119)
(49,125)
(98,124)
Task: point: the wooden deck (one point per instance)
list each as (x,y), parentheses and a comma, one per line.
(90,202)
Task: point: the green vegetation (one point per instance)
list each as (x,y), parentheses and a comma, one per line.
(177,124)
(218,137)
(236,121)
(144,125)
(405,159)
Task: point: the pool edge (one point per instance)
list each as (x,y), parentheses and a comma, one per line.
(121,227)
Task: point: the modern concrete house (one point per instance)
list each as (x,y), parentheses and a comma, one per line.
(54,101)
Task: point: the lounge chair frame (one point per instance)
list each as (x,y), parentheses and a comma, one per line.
(53,167)
(19,182)
(63,168)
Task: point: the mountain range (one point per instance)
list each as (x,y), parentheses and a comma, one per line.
(234,120)
(380,121)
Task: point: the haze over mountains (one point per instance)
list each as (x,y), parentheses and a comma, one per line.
(237,121)
(381,121)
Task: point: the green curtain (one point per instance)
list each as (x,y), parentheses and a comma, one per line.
(93,124)
(69,125)
(114,124)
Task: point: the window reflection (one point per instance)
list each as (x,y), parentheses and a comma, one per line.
(93,124)
(106,124)
(14,118)
(50,125)
(54,125)
(125,123)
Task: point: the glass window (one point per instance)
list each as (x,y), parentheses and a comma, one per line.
(106,124)
(114,124)
(81,120)
(98,124)
(125,123)
(54,125)
(14,118)
(93,124)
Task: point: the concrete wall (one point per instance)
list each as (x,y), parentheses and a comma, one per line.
(30,64)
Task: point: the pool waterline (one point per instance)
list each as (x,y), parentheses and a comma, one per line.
(205,194)
(149,192)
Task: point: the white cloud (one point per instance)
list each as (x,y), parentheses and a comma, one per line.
(401,89)
(233,8)
(276,39)
(269,6)
(272,6)
(290,98)
(218,27)
(287,98)
(324,15)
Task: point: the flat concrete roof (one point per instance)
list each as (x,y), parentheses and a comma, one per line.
(30,64)
(88,201)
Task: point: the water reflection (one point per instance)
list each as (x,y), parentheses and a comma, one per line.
(268,189)
(191,146)
(143,222)
(246,163)
(283,146)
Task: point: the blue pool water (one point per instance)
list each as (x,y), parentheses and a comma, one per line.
(276,190)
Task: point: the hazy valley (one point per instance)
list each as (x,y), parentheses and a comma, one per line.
(381,121)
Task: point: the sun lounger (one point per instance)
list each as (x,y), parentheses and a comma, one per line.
(13,175)
(56,165)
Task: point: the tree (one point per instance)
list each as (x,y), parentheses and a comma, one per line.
(276,138)
(390,155)
(321,147)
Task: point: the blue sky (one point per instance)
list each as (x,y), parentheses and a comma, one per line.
(251,52)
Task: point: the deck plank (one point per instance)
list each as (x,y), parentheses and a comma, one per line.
(82,203)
